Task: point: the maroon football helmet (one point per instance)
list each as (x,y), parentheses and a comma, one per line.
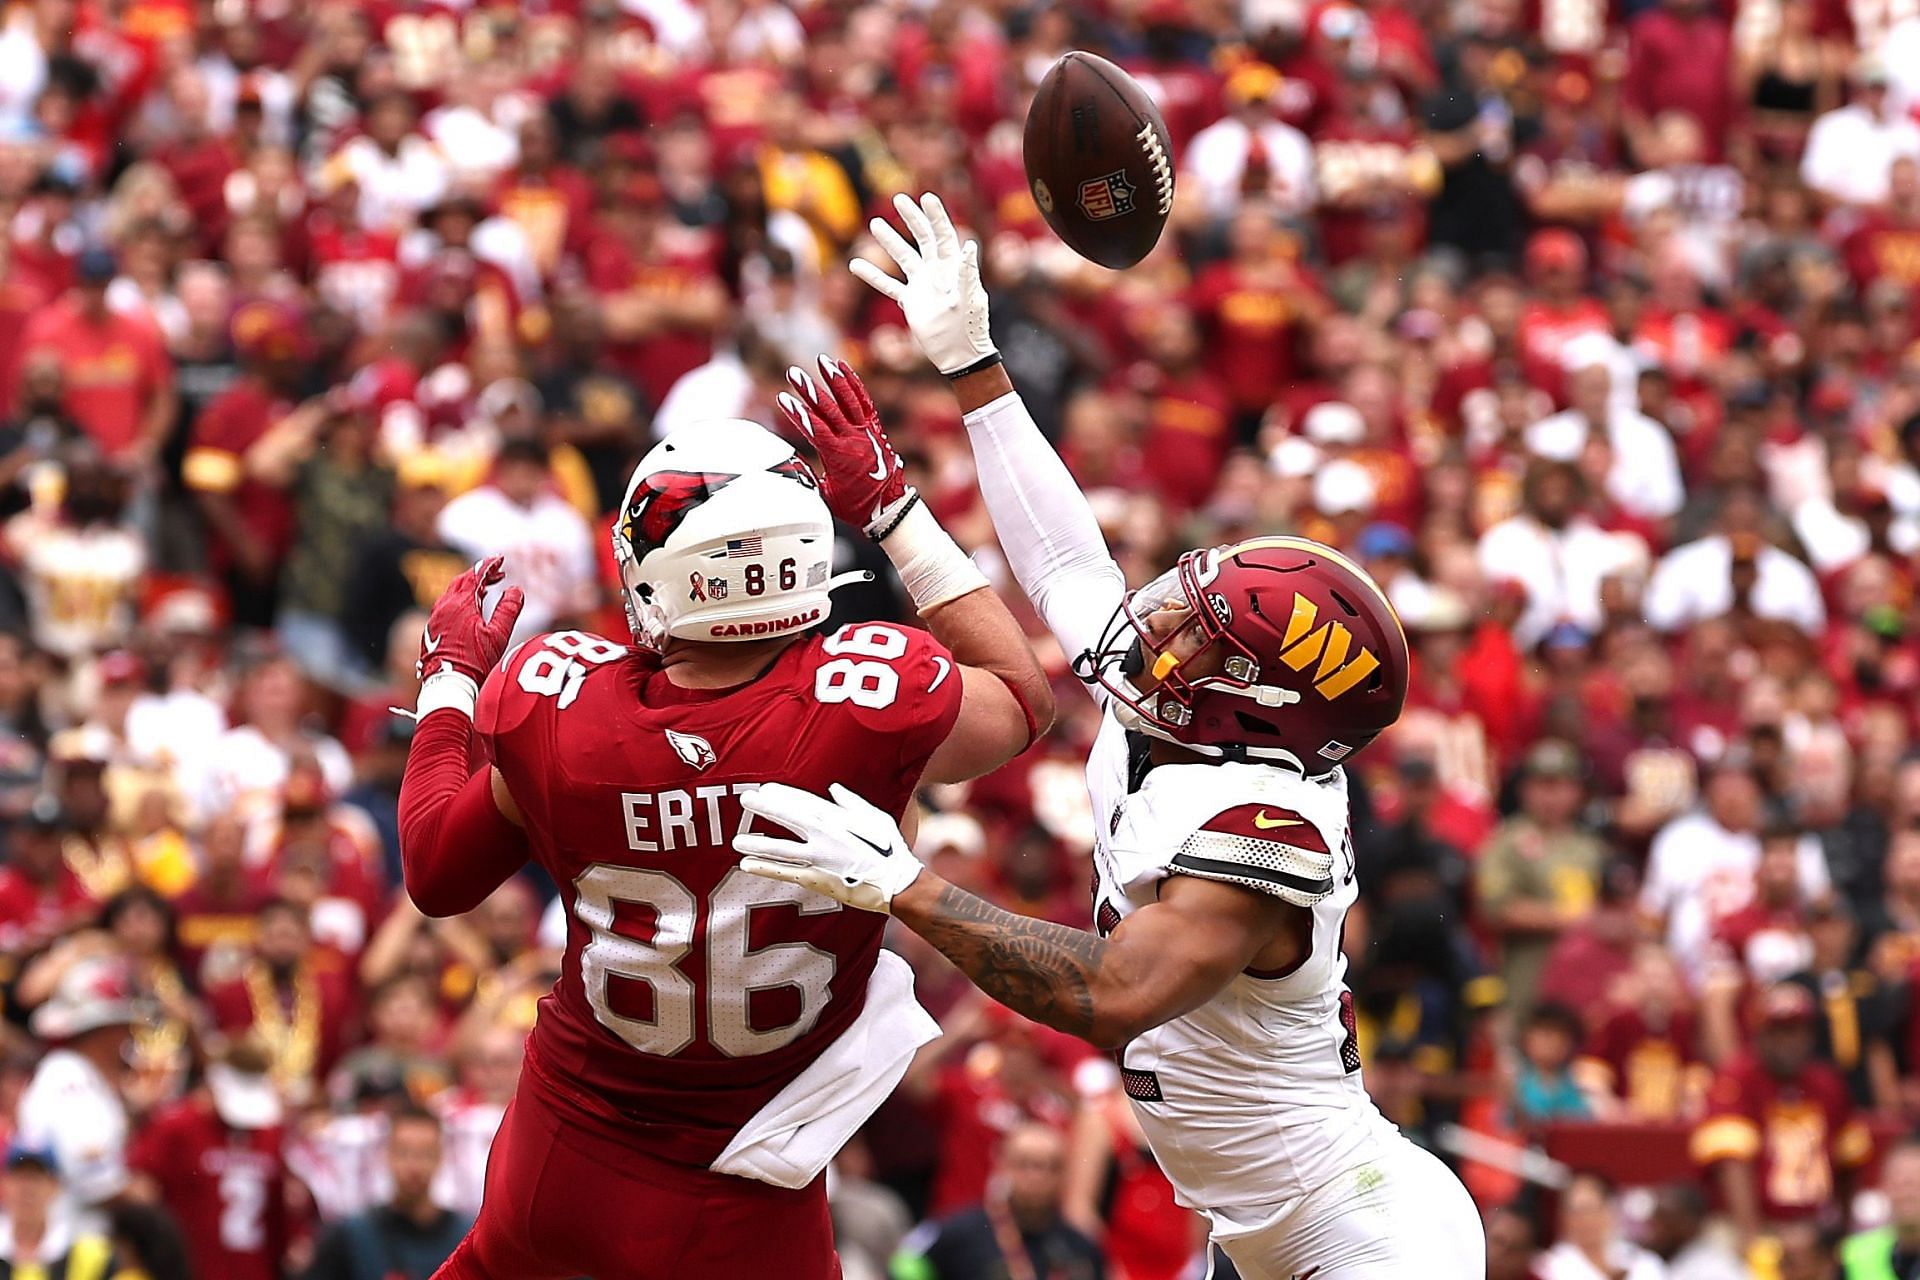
(1271,649)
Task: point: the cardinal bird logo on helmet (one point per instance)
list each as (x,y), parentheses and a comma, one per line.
(797,470)
(662,501)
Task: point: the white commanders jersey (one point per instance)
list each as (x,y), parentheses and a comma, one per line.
(1254,1098)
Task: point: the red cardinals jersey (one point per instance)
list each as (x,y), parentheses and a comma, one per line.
(225,1187)
(692,991)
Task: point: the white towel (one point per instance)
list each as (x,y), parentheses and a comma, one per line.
(791,1139)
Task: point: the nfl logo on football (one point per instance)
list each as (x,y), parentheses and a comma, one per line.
(1107,196)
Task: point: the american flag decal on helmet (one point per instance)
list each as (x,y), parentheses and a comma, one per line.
(739,548)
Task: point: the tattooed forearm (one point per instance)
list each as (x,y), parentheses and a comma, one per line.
(1046,971)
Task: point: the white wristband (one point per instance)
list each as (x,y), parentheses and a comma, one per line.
(931,564)
(447,690)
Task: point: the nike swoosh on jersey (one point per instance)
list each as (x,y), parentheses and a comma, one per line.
(945,668)
(430,641)
(1262,821)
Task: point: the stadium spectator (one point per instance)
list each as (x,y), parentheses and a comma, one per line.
(1143,1232)
(1807,1253)
(1591,1242)
(292,995)
(35,1234)
(115,376)
(1539,873)
(1020,1226)
(73,1108)
(146,1242)
(1780,1135)
(409,1235)
(1680,60)
(1851,150)
(1512,1243)
(1678,1233)
(1643,1060)
(1250,151)
(518,515)
(1544,1089)
(1701,865)
(1556,552)
(470,1113)
(402,565)
(1643,472)
(215,1161)
(1894,1248)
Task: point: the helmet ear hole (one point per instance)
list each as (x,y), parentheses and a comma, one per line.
(1256,725)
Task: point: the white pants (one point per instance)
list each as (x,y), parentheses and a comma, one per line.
(1403,1215)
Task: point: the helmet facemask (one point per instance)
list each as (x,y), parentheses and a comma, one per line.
(1158,667)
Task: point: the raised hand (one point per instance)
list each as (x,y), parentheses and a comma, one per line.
(460,637)
(944,301)
(861,474)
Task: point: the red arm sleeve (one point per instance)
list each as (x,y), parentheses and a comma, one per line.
(456,847)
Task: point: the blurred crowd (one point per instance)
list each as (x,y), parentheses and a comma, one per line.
(1587,325)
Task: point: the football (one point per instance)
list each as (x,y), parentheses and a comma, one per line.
(1098,160)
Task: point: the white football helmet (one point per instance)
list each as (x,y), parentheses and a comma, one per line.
(723,535)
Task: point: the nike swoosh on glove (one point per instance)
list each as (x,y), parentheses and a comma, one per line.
(460,638)
(861,475)
(847,849)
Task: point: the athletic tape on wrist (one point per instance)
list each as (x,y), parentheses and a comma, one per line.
(931,564)
(447,691)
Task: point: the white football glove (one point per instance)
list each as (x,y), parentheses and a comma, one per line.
(848,850)
(946,304)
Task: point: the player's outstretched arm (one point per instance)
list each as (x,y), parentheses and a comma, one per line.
(1164,960)
(459,832)
(1005,700)
(1046,527)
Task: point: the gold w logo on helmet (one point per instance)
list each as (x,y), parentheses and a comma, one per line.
(1342,663)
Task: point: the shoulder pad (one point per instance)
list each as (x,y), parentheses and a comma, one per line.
(891,679)
(1294,865)
(1246,824)
(546,669)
